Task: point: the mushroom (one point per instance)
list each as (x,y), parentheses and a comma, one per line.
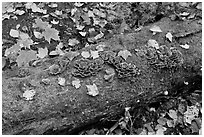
(155,29)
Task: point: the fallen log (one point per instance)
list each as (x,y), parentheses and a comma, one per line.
(60,109)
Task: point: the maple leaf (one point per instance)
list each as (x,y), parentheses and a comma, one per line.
(25,57)
(41,24)
(42,52)
(124,54)
(50,33)
(12,50)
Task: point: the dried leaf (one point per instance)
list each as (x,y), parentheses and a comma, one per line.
(50,33)
(82,34)
(41,24)
(169,36)
(19,12)
(71,55)
(14,33)
(124,54)
(94,54)
(25,57)
(191,113)
(162,121)
(110,74)
(85,54)
(73,42)
(153,43)
(92,90)
(38,34)
(29,94)
(61,81)
(199,6)
(170,123)
(173,114)
(3,62)
(155,29)
(76,83)
(42,52)
(98,36)
(25,40)
(194,127)
(13,50)
(186,46)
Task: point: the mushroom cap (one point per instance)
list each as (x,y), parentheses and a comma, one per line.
(155,28)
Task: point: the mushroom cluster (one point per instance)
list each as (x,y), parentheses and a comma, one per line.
(122,68)
(164,57)
(86,67)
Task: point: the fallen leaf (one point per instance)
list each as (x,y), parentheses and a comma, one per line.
(19,12)
(98,36)
(153,43)
(3,62)
(194,127)
(50,33)
(41,24)
(169,36)
(73,42)
(191,113)
(170,123)
(38,34)
(14,33)
(162,121)
(42,52)
(155,29)
(199,6)
(124,53)
(25,40)
(78,4)
(71,55)
(92,90)
(110,74)
(82,33)
(55,22)
(25,57)
(76,83)
(46,81)
(12,50)
(94,54)
(173,114)
(61,81)
(85,54)
(184,14)
(29,94)
(186,46)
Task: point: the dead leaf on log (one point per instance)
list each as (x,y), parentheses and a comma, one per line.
(92,90)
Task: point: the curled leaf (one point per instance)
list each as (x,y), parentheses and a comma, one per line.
(186,46)
(155,29)
(92,90)
(169,36)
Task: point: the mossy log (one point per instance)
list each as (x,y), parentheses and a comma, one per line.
(57,109)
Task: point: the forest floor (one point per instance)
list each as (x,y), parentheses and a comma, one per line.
(38,31)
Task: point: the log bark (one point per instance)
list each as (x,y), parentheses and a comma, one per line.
(59,109)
